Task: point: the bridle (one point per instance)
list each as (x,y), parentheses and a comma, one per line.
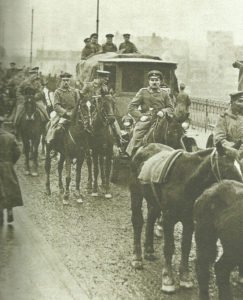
(33,105)
(214,161)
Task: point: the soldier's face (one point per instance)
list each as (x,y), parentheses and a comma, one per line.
(65,82)
(94,39)
(109,39)
(104,80)
(154,82)
(126,38)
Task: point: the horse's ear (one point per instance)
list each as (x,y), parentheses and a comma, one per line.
(237,145)
(220,148)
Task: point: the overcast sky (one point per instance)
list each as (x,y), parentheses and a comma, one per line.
(63,24)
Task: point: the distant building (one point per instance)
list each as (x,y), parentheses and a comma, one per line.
(219,59)
(55,61)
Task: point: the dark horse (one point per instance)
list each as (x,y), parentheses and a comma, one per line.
(31,127)
(190,175)
(218,214)
(168,131)
(101,141)
(71,143)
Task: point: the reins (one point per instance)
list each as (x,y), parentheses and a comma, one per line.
(215,163)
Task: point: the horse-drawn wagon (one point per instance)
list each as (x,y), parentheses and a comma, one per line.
(128,75)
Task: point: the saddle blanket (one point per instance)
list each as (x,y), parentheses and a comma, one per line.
(157,167)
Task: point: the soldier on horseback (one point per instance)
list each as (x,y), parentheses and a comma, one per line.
(99,88)
(32,84)
(153,101)
(65,100)
(229,127)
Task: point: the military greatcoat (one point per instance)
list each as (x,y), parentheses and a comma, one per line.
(10,193)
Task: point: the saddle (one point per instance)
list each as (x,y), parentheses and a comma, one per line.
(157,167)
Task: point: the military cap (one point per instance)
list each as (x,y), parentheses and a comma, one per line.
(65,75)
(102,73)
(155,73)
(93,34)
(86,40)
(109,35)
(236,96)
(13,63)
(1,119)
(127,34)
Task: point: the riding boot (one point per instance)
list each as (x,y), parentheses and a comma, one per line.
(10,217)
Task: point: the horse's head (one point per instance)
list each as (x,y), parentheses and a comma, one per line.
(29,103)
(169,131)
(225,162)
(105,109)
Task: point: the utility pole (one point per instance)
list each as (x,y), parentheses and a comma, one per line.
(31,36)
(97,19)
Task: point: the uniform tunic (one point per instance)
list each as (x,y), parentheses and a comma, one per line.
(65,100)
(109,47)
(146,98)
(128,47)
(229,129)
(10,194)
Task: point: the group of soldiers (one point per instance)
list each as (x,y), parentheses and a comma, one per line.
(92,46)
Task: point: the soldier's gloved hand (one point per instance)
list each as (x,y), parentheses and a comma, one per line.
(144,118)
(160,114)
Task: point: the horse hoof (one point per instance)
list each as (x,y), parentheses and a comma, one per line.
(137,264)
(150,256)
(34,174)
(186,284)
(65,202)
(108,196)
(80,200)
(26,172)
(94,195)
(168,289)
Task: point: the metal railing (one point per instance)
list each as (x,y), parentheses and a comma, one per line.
(205,112)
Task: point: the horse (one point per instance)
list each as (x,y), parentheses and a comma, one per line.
(189,176)
(218,214)
(70,143)
(101,117)
(31,127)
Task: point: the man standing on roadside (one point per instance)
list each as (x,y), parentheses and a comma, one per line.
(10,194)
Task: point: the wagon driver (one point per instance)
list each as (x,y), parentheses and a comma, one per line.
(152,100)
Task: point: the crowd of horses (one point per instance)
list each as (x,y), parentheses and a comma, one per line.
(203,189)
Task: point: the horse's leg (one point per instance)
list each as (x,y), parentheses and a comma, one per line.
(223,269)
(137,222)
(96,173)
(89,165)
(186,243)
(168,283)
(108,161)
(68,180)
(102,170)
(153,214)
(206,254)
(60,168)
(26,148)
(35,145)
(79,164)
(48,170)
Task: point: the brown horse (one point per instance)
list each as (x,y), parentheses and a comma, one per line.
(218,214)
(31,127)
(71,143)
(101,141)
(190,175)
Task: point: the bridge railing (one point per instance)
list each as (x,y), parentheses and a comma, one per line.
(205,112)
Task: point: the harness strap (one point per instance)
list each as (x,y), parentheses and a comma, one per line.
(72,139)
